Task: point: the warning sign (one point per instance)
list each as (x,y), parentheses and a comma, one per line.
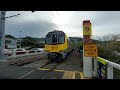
(87,28)
(90,50)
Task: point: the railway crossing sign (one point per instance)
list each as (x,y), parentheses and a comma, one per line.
(87,28)
(90,51)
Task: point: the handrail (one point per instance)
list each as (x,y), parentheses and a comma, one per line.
(109,64)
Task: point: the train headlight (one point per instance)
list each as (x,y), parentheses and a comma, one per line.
(61,50)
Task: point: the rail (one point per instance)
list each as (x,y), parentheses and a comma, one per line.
(109,67)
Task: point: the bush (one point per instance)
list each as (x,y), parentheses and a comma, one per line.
(108,54)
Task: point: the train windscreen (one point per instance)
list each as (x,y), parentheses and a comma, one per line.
(55,38)
(61,38)
(48,39)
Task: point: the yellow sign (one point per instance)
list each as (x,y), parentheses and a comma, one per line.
(90,50)
(87,28)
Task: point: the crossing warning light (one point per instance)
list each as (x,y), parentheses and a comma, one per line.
(87,27)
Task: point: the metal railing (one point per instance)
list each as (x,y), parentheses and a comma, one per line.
(109,66)
(26,54)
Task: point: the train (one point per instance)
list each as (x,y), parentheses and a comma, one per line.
(57,45)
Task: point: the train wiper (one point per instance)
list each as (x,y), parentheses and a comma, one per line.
(54,43)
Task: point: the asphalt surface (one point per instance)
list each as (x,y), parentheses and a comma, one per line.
(16,72)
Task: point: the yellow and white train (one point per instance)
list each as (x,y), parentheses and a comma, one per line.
(57,45)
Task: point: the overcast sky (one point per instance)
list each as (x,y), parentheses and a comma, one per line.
(39,23)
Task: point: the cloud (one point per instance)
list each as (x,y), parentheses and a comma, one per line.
(34,29)
(39,23)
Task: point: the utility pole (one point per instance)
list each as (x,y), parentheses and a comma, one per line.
(20,39)
(2,34)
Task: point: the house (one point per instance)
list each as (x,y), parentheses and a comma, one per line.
(12,43)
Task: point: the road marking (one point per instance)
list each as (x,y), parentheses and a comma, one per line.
(43,69)
(68,75)
(73,75)
(59,70)
(27,74)
(81,75)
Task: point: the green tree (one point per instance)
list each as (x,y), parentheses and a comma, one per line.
(9,36)
(80,45)
(29,41)
(115,46)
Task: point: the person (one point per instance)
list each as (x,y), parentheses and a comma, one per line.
(78,50)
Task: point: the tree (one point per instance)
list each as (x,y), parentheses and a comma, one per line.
(111,37)
(29,41)
(9,36)
(80,45)
(115,46)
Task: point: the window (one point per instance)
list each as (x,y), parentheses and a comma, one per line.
(48,39)
(61,38)
(54,39)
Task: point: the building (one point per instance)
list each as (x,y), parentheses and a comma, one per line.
(11,43)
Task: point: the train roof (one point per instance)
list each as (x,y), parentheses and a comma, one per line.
(56,31)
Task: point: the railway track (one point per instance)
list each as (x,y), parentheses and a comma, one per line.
(52,69)
(41,67)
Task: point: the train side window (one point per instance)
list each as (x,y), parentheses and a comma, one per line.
(67,42)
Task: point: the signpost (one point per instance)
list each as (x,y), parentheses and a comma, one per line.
(89,50)
(87,61)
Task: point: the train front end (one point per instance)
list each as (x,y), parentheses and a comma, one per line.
(55,45)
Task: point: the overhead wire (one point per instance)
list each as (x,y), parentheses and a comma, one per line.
(24,20)
(37,19)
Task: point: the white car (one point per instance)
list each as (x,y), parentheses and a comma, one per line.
(20,51)
(33,50)
(8,52)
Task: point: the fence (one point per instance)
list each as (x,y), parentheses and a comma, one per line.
(26,54)
(111,70)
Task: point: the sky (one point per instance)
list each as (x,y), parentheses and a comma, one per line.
(39,23)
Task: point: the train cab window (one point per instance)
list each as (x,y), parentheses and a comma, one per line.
(48,39)
(54,39)
(61,38)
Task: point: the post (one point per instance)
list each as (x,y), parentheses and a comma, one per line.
(2,34)
(20,39)
(95,67)
(87,61)
(109,71)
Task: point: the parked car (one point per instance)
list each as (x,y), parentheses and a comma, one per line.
(33,50)
(20,51)
(38,49)
(8,52)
